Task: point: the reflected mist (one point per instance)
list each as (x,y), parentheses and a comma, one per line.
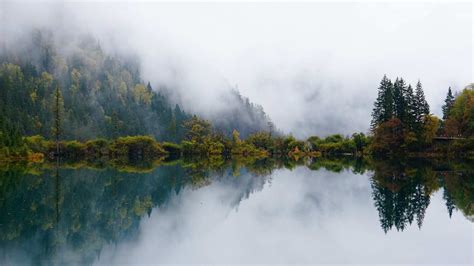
(328,210)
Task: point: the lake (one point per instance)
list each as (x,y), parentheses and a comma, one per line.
(321,211)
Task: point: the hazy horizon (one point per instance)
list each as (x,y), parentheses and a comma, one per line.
(314,67)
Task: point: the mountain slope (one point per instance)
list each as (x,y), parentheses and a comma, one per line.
(103,95)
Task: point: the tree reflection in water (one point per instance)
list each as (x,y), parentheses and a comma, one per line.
(83,206)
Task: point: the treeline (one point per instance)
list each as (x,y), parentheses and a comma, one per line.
(201,140)
(402,122)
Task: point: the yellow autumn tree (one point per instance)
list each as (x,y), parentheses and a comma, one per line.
(141,94)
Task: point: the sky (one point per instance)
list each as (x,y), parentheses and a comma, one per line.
(314,67)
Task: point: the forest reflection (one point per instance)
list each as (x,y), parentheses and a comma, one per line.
(73,209)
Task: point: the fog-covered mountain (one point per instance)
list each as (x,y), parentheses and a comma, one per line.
(103,94)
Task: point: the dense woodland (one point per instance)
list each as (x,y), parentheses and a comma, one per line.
(100,95)
(82,93)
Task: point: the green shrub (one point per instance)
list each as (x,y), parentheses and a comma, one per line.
(136,147)
(214,148)
(301,145)
(262,141)
(209,146)
(337,144)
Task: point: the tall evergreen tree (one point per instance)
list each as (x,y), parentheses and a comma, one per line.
(57,109)
(383,106)
(399,88)
(422,108)
(448,104)
(410,109)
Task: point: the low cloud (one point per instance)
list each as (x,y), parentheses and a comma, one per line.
(314,67)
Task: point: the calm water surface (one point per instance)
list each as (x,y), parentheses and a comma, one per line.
(318,212)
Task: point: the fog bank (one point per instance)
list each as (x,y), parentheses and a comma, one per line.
(314,67)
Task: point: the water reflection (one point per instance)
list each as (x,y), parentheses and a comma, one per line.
(201,210)
(402,191)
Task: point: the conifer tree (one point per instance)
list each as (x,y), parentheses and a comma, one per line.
(448,104)
(383,106)
(410,109)
(422,107)
(399,88)
(57,110)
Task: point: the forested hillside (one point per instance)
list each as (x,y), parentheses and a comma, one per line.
(242,115)
(100,95)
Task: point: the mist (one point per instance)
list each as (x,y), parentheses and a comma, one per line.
(314,67)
